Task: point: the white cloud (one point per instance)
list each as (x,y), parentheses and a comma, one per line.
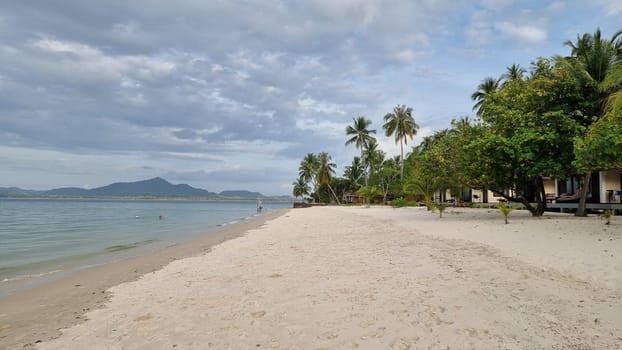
(526,33)
(611,7)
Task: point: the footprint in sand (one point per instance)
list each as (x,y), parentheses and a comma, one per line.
(258,314)
(143,318)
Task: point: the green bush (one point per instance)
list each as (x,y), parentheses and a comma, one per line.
(398,203)
(413,204)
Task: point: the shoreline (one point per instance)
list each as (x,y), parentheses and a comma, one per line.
(38,314)
(378,278)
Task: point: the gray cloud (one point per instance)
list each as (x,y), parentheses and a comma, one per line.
(229,87)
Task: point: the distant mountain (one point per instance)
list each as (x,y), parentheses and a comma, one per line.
(156,187)
(67,191)
(16,191)
(240,194)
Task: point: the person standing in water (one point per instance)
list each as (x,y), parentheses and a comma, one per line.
(259,205)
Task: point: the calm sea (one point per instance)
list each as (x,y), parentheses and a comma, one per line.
(42,239)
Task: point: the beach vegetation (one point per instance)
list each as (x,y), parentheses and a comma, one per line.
(360,135)
(399,202)
(326,171)
(369,192)
(301,188)
(505,210)
(400,124)
(388,177)
(441,209)
(557,118)
(607,215)
(484,89)
(596,64)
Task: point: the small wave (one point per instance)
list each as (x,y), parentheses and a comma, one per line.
(29,276)
(120,247)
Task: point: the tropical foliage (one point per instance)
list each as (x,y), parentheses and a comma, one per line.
(560,117)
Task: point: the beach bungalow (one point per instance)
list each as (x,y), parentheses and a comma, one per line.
(605,187)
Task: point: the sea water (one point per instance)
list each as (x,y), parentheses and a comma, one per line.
(42,239)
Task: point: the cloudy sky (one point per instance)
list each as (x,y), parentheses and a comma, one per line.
(232,94)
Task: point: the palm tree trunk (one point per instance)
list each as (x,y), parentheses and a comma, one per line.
(402,159)
(334,195)
(366,175)
(581,209)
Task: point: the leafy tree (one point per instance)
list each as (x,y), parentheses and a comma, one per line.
(369,192)
(601,148)
(402,125)
(388,178)
(530,131)
(595,63)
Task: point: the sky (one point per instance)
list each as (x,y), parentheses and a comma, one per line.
(227,95)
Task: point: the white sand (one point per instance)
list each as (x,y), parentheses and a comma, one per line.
(379,278)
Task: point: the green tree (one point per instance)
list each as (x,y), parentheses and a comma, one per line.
(484,89)
(308,171)
(388,178)
(513,73)
(529,133)
(402,125)
(354,172)
(360,135)
(301,188)
(326,171)
(373,158)
(595,63)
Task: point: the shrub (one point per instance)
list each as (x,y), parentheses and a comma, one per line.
(607,214)
(441,208)
(398,203)
(505,209)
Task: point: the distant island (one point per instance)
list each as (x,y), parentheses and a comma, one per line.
(152,188)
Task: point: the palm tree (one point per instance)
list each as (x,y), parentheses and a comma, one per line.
(484,90)
(373,157)
(326,170)
(354,172)
(597,64)
(360,135)
(301,188)
(308,170)
(513,73)
(402,125)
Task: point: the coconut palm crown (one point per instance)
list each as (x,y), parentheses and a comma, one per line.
(360,135)
(484,89)
(402,125)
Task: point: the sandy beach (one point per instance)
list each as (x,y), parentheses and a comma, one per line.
(39,314)
(377,278)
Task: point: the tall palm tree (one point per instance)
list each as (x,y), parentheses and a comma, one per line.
(597,64)
(326,170)
(360,135)
(484,89)
(301,188)
(308,170)
(402,125)
(513,73)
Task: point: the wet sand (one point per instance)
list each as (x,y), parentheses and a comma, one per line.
(37,315)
